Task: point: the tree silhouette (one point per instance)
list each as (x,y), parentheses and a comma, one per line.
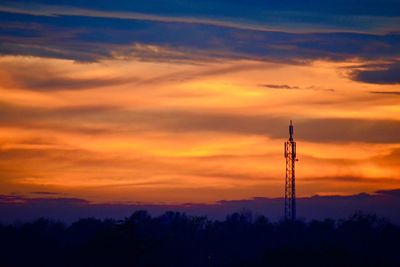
(176,239)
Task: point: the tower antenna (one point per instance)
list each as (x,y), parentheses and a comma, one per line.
(290,180)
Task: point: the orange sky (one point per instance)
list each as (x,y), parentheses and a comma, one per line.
(174,132)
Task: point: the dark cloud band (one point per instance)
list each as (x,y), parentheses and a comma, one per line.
(379,74)
(314,130)
(184,33)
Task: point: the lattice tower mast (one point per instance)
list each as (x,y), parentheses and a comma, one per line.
(290,181)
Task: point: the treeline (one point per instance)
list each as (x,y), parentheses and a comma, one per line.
(175,239)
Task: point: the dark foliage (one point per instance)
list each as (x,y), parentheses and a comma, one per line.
(175,239)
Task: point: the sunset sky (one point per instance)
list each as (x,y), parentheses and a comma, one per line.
(189,101)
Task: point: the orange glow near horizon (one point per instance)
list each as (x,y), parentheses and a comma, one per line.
(128,130)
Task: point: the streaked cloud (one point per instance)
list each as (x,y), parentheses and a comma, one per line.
(385,93)
(388,73)
(290,19)
(101,120)
(76,32)
(289,87)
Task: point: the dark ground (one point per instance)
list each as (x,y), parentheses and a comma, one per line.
(175,239)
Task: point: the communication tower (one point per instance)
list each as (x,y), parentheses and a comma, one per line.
(290,180)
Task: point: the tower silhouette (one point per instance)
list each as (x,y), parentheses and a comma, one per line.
(290,180)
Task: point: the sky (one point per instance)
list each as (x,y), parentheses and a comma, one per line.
(186,101)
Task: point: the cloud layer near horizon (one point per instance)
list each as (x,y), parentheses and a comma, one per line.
(25,208)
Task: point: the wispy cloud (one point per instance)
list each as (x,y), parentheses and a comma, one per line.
(386,73)
(385,93)
(47,80)
(289,87)
(280,86)
(76,32)
(289,19)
